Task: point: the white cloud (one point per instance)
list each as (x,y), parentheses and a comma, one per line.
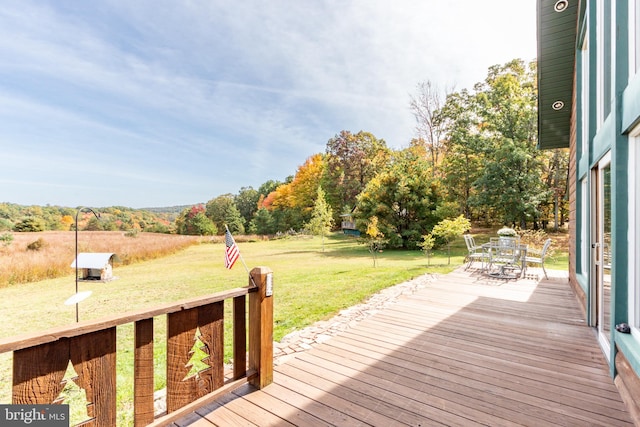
(226,94)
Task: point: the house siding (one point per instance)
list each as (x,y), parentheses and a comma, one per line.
(609,115)
(573,212)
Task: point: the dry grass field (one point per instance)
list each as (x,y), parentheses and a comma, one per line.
(19,264)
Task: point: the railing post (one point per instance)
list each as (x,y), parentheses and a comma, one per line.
(239,337)
(143,373)
(261,327)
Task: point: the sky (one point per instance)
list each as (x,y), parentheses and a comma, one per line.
(153,103)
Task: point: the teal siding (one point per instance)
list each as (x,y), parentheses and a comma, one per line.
(603,140)
(631,104)
(620,181)
(610,136)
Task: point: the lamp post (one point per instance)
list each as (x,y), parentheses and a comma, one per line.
(76,263)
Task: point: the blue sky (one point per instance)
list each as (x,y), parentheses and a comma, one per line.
(159,103)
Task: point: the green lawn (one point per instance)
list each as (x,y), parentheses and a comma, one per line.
(309,285)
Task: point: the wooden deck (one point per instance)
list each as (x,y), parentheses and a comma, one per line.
(463,351)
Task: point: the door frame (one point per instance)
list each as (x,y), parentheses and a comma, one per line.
(598,307)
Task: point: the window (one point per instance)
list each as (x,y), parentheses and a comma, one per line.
(584,97)
(634,37)
(634,232)
(605,54)
(584,246)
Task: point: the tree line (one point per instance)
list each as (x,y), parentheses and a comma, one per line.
(475,154)
(20,218)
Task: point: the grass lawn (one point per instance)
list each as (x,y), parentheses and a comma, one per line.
(309,285)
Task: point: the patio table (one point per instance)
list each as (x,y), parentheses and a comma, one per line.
(506,259)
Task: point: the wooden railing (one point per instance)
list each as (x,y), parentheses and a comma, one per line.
(41,360)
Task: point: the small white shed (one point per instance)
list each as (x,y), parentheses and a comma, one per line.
(95,266)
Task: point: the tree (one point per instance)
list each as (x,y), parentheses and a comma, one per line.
(193,221)
(30,223)
(93,224)
(426,107)
(512,182)
(321,218)
(5,224)
(223,211)
(428,242)
(67,222)
(450,229)
(262,222)
(294,200)
(492,163)
(304,186)
(375,238)
(465,147)
(352,161)
(247,203)
(267,187)
(555,174)
(279,204)
(403,198)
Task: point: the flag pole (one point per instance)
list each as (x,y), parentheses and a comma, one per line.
(241,259)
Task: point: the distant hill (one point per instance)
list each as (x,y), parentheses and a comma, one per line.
(170,209)
(14,217)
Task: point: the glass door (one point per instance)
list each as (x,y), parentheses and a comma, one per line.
(601,238)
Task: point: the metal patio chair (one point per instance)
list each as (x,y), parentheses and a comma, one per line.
(539,256)
(506,257)
(474,252)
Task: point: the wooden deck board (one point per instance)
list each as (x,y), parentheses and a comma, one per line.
(487,369)
(462,351)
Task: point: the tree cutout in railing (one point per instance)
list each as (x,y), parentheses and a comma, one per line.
(199,353)
(193,369)
(74,396)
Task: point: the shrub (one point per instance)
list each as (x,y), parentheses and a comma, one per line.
(37,245)
(5,224)
(131,233)
(30,223)
(428,242)
(6,239)
(449,229)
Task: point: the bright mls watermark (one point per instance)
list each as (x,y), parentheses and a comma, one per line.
(34,415)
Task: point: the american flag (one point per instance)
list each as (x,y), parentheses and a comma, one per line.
(232,252)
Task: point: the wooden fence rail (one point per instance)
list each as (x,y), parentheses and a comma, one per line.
(41,360)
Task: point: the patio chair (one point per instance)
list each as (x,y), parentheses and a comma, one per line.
(505,257)
(539,256)
(474,252)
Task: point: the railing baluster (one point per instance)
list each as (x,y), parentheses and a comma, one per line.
(211,323)
(239,337)
(143,385)
(94,358)
(38,372)
(181,332)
